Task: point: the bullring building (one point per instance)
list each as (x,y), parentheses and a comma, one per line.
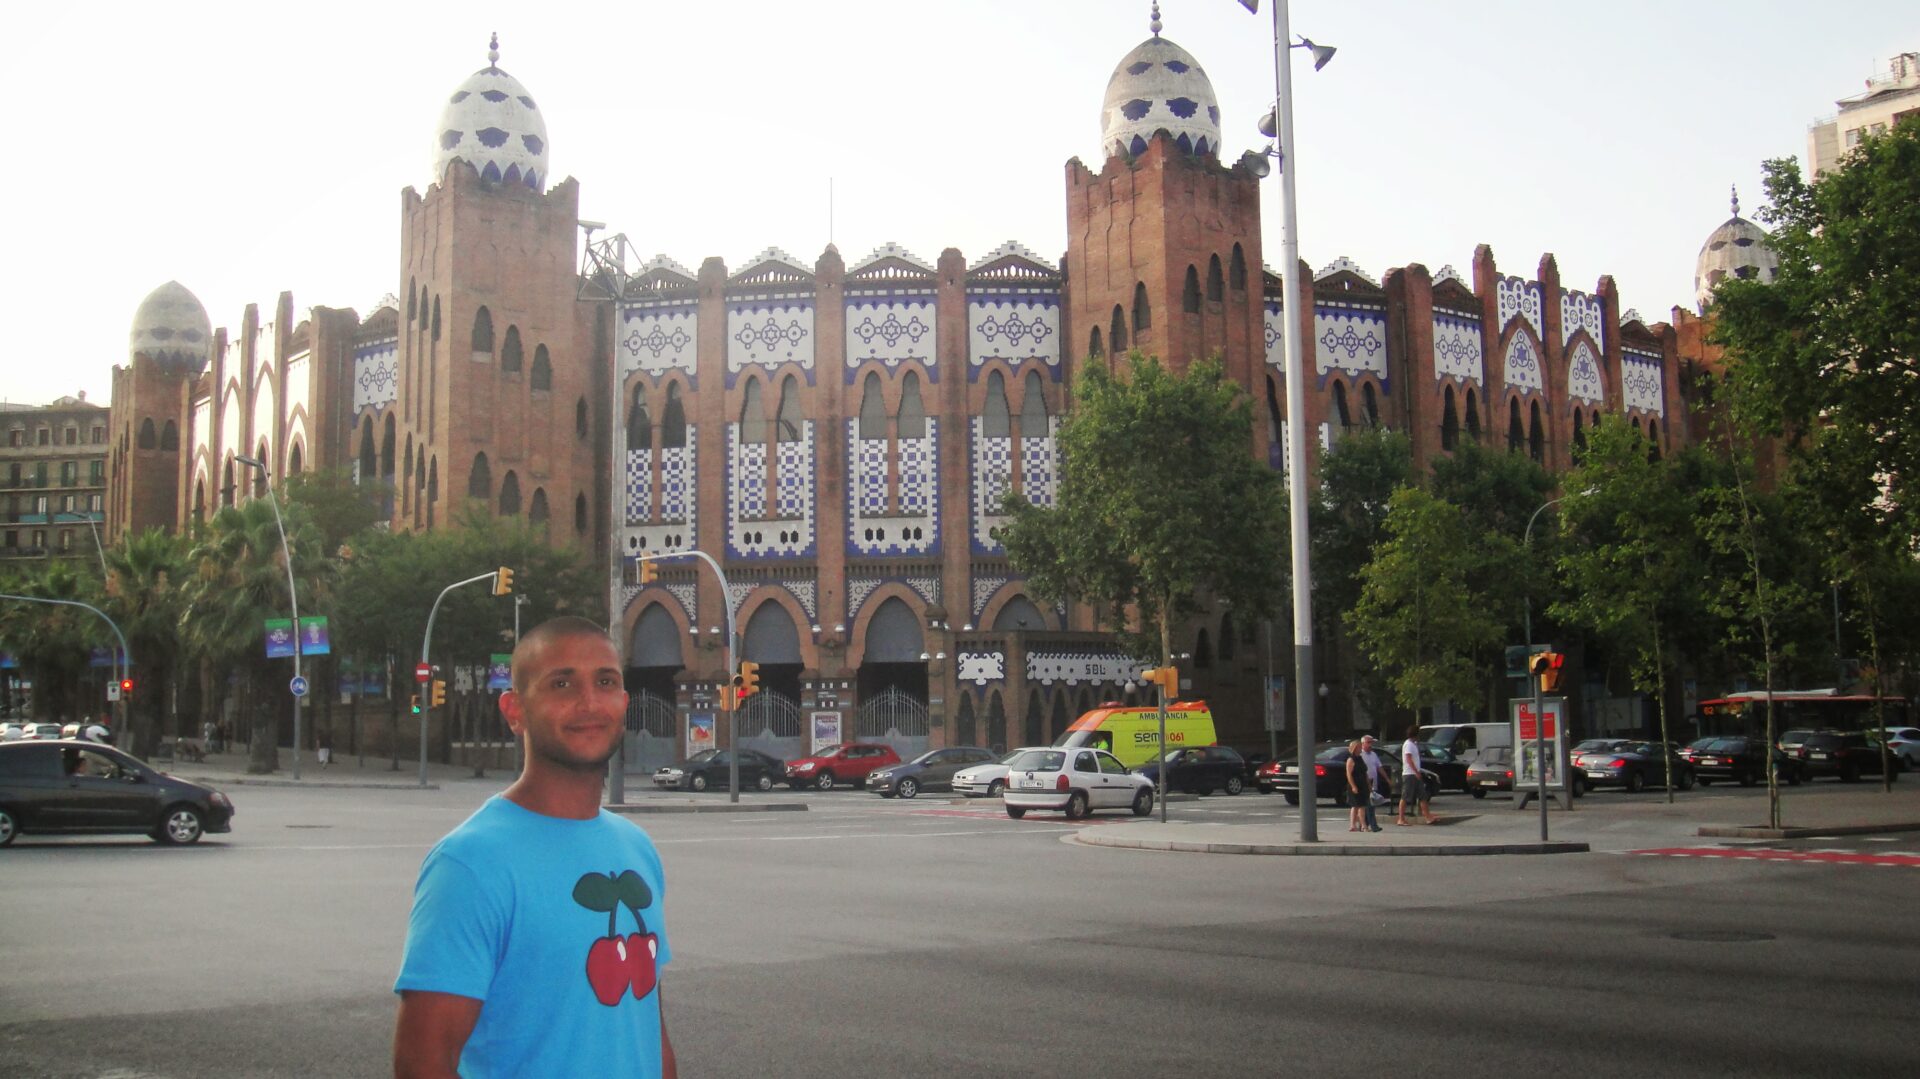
(838,430)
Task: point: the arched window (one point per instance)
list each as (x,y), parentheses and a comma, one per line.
(1369,405)
(510,495)
(227,484)
(1095,349)
(1273,412)
(148,438)
(482,333)
(1202,650)
(170,436)
(413,302)
(199,499)
(368,462)
(996,421)
(1449,423)
(1142,311)
(1237,269)
(261,454)
(542,378)
(789,423)
(1536,434)
(1516,431)
(1226,636)
(433,486)
(1190,295)
(1579,434)
(1033,407)
(436,318)
(538,514)
(1117,330)
(873,408)
(580,418)
(407,478)
(510,354)
(639,423)
(386,451)
(1653,440)
(580,514)
(753,417)
(1216,283)
(293,460)
(673,425)
(480,480)
(912,420)
(1340,409)
(1473,416)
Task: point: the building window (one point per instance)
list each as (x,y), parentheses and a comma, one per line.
(148,439)
(1237,269)
(1190,295)
(580,418)
(99,435)
(1117,330)
(753,417)
(1216,284)
(96,473)
(1449,423)
(73,436)
(788,423)
(1095,349)
(538,514)
(1142,311)
(912,419)
(1033,408)
(996,421)
(673,425)
(482,334)
(873,408)
(43,437)
(170,436)
(639,422)
(510,353)
(580,514)
(542,378)
(510,495)
(480,479)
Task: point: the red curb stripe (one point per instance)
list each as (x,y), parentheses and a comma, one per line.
(1786,856)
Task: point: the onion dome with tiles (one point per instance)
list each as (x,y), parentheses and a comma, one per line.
(1735,249)
(171,329)
(1160,86)
(491,123)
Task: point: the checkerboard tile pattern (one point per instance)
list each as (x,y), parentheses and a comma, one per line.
(992,460)
(787,531)
(639,486)
(909,524)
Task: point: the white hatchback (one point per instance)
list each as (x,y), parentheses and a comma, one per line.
(1077,781)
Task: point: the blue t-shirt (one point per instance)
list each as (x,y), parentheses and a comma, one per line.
(556,926)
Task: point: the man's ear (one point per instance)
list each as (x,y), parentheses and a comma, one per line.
(514,713)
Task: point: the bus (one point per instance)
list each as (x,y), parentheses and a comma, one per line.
(1798,709)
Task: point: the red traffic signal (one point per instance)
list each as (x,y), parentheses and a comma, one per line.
(126,685)
(1548,667)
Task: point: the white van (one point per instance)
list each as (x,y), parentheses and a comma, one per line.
(1462,739)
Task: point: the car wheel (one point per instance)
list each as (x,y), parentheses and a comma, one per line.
(823,781)
(884,794)
(1479,792)
(1143,802)
(1016,812)
(8,827)
(1580,786)
(1292,797)
(1235,785)
(180,826)
(1636,782)
(1850,773)
(1264,788)
(765,782)
(698,781)
(1685,781)
(1790,775)
(1077,806)
(908,787)
(996,788)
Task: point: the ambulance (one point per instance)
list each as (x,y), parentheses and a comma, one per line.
(1133,734)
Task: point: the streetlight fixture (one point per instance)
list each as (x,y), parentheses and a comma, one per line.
(1282,129)
(92,527)
(293,599)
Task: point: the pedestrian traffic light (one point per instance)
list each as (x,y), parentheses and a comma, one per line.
(1167,678)
(747,682)
(126,685)
(413,703)
(439,692)
(1547,666)
(649,572)
(502,581)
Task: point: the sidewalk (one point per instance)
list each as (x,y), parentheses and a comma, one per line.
(230,770)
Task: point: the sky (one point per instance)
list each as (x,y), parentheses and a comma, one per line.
(246,149)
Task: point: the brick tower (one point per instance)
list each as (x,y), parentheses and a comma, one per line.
(167,351)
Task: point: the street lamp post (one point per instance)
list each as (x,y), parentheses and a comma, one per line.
(93,528)
(293,598)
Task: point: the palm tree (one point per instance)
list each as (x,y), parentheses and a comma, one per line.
(145,595)
(52,642)
(237,581)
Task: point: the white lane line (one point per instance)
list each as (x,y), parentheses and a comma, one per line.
(990,832)
(1880,839)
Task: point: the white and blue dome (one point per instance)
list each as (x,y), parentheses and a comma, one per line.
(1157,86)
(1735,249)
(171,328)
(491,123)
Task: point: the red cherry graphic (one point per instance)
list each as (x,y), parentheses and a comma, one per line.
(607,969)
(643,951)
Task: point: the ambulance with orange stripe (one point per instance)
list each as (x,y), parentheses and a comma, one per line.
(1133,734)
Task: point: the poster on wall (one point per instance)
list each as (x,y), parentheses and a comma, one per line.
(699,732)
(826,731)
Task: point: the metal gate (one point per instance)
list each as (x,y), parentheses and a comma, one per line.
(653,736)
(897,718)
(770,723)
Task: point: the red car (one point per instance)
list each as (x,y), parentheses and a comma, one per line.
(832,766)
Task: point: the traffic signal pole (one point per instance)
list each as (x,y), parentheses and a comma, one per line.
(502,576)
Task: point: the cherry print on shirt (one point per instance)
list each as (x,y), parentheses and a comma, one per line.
(615,963)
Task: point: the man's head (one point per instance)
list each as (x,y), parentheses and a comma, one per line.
(1366,743)
(568,698)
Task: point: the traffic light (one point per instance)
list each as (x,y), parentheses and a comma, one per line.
(1167,678)
(126,685)
(502,582)
(747,682)
(413,703)
(1547,666)
(649,572)
(439,692)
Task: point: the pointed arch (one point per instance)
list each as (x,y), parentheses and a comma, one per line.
(436,319)
(387,440)
(1536,434)
(542,377)
(753,416)
(1190,293)
(1369,404)
(1473,415)
(639,422)
(538,512)
(432,492)
(1516,431)
(770,635)
(1273,411)
(1033,407)
(1142,310)
(580,514)
(413,301)
(911,421)
(656,639)
(963,721)
(1579,434)
(510,352)
(1216,281)
(1033,724)
(368,460)
(892,634)
(170,436)
(1449,422)
(1117,330)
(673,424)
(480,478)
(996,421)
(482,331)
(510,494)
(1237,269)
(295,458)
(789,422)
(1342,413)
(1018,614)
(149,438)
(873,407)
(1095,349)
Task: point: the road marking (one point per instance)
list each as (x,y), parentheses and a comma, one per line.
(988,832)
(1763,855)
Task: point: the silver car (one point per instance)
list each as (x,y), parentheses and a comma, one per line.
(986,780)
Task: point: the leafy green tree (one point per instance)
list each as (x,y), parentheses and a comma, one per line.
(1358,478)
(145,595)
(1417,616)
(339,507)
(1160,502)
(53,643)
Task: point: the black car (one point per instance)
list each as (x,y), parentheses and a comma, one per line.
(1330,774)
(1637,766)
(930,771)
(1846,754)
(1738,759)
(85,787)
(1200,770)
(707,769)
(1446,770)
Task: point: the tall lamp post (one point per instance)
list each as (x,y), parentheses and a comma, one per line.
(92,527)
(293,598)
(1282,130)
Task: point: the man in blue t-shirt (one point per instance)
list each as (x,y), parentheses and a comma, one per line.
(538,931)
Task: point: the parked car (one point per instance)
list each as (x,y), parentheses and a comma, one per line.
(1737,759)
(1492,770)
(1445,769)
(13,732)
(49,786)
(708,769)
(1075,781)
(986,780)
(1200,770)
(1789,742)
(1846,754)
(849,763)
(930,771)
(1905,744)
(1577,753)
(44,731)
(1330,774)
(1637,766)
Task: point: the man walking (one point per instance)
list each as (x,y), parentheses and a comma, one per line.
(1413,788)
(538,930)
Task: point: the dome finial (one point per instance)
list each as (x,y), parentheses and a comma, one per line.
(1736,200)
(493,50)
(1154,25)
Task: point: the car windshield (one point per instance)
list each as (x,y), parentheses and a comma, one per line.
(1595,745)
(826,751)
(1495,755)
(931,756)
(1038,760)
(703,756)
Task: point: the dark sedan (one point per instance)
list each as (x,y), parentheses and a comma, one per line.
(1330,774)
(1846,754)
(1200,770)
(930,771)
(1637,766)
(707,770)
(1736,759)
(85,787)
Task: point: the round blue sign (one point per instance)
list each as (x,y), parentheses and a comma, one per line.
(298,685)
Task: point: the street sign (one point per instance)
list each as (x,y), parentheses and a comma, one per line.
(298,685)
(1518,654)
(423,672)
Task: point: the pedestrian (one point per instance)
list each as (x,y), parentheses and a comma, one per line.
(1413,789)
(1374,769)
(325,748)
(538,885)
(1356,770)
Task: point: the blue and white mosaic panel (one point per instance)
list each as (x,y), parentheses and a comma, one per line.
(1349,338)
(658,338)
(1583,376)
(1641,384)
(1014,327)
(891,328)
(992,478)
(1523,364)
(793,474)
(1038,473)
(1457,351)
(1074,666)
(769,333)
(1522,298)
(1579,311)
(983,592)
(982,667)
(1276,344)
(639,486)
(677,475)
(909,524)
(788,530)
(674,524)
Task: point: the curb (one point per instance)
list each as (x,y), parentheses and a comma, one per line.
(1326,849)
(1734,831)
(708,807)
(261,781)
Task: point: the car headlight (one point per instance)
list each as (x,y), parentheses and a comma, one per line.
(804,766)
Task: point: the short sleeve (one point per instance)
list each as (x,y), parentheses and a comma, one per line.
(455,932)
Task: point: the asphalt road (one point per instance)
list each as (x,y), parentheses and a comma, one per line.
(937,939)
